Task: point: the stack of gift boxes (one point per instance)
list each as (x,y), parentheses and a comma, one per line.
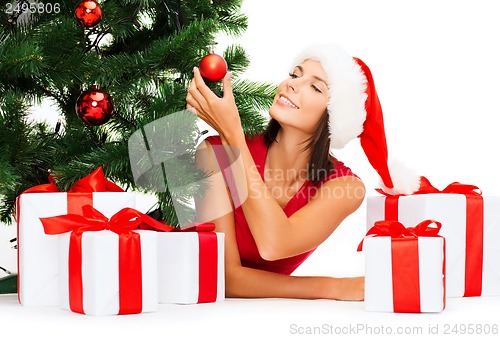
(89,251)
(423,248)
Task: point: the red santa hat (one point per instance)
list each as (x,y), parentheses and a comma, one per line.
(355,111)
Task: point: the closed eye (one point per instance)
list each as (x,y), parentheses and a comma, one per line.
(294,76)
(316,89)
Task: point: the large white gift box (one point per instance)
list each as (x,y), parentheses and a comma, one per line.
(38,268)
(191,267)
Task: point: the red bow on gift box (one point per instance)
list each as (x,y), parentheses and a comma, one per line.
(94,182)
(122,223)
(395,229)
(453,188)
(91,219)
(81,191)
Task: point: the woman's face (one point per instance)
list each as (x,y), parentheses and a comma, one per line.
(301,99)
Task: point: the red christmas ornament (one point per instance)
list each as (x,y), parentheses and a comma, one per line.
(88,13)
(94,106)
(213,67)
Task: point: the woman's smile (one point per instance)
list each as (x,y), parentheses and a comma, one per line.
(285,101)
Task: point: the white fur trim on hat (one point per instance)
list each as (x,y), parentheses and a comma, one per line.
(405,179)
(347,89)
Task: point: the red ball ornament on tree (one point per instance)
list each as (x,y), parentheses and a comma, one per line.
(213,67)
(88,13)
(94,106)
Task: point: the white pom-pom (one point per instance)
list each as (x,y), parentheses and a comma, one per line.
(405,179)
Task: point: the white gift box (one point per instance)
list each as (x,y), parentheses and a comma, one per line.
(38,283)
(179,267)
(450,210)
(379,274)
(100,272)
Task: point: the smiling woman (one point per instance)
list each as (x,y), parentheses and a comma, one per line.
(283,192)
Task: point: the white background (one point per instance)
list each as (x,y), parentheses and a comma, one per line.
(436,66)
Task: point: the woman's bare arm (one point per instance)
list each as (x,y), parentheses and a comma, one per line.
(278,236)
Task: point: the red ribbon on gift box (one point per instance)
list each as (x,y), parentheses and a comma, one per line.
(130,268)
(207,258)
(474,227)
(405,260)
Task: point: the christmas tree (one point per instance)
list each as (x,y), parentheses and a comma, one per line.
(139,52)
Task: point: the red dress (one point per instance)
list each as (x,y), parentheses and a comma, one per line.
(249,254)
